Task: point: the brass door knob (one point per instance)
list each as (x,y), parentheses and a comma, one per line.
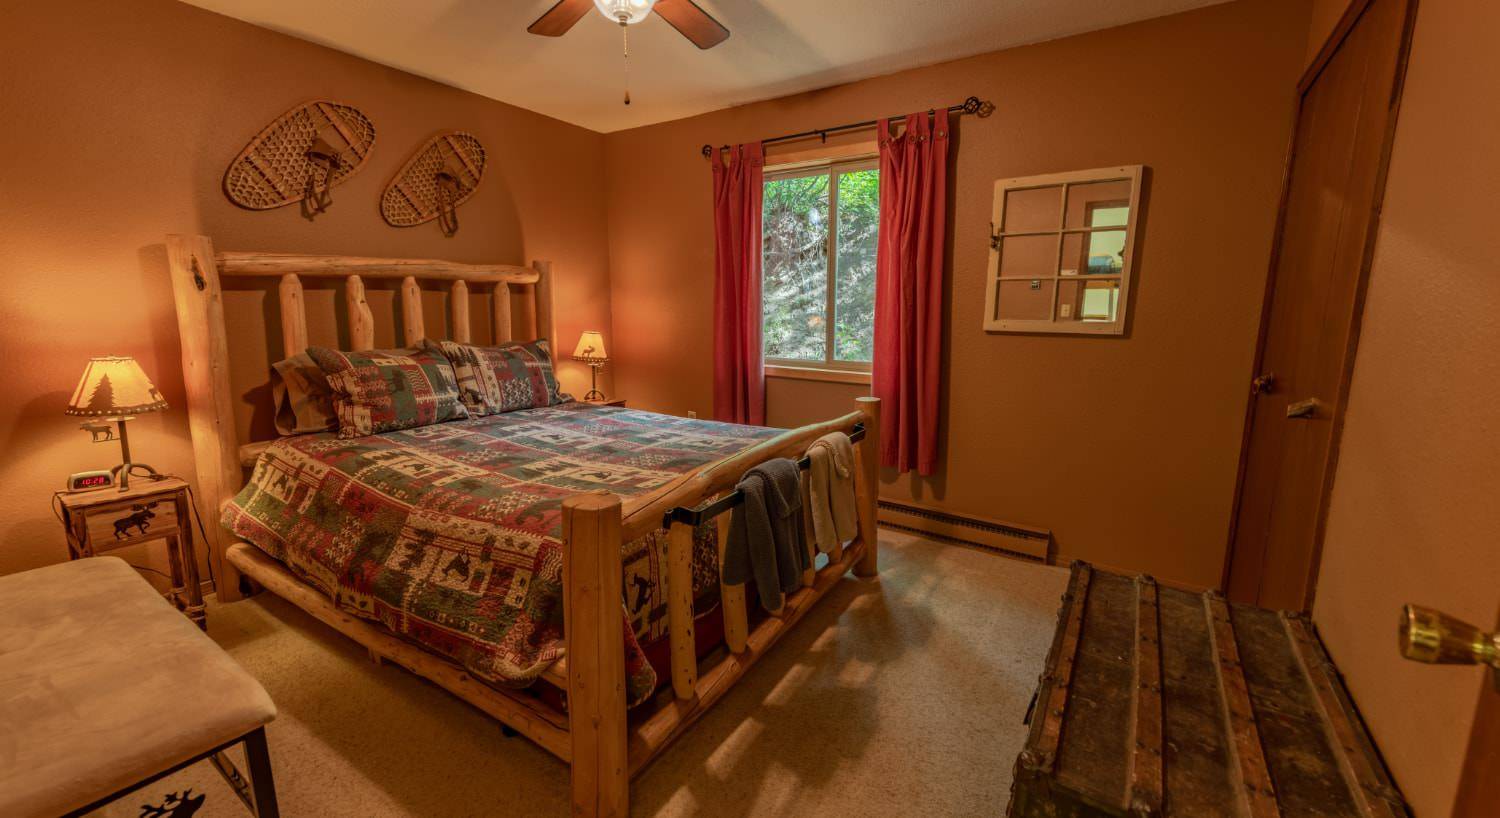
(1436,638)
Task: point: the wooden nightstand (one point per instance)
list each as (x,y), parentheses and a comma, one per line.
(607,402)
(105,519)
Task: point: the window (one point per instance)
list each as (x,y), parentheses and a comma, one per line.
(818,229)
(1060,252)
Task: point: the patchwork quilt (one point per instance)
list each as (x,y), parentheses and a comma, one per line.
(450,535)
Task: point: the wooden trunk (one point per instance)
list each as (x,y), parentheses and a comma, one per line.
(1156,701)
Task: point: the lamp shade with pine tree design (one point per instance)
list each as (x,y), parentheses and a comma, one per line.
(114,386)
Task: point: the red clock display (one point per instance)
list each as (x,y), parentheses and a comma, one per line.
(85,480)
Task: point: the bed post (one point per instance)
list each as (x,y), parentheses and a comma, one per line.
(868,487)
(205,376)
(594,627)
(544,319)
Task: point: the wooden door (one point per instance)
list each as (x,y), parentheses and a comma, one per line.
(1335,179)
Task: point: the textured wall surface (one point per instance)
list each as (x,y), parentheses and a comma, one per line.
(119,120)
(1125,447)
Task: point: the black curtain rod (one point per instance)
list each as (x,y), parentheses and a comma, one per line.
(972,105)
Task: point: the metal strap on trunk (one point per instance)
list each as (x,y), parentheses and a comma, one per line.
(1146,783)
(1257,795)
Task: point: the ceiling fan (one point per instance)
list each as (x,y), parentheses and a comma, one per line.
(684,15)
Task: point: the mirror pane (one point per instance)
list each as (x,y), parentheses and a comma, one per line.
(1024,300)
(1028,256)
(1088,301)
(1101,252)
(1074,256)
(1030,209)
(1099,204)
(1104,253)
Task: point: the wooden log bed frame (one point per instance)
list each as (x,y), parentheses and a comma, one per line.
(594,737)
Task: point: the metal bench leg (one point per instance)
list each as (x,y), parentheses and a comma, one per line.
(258,759)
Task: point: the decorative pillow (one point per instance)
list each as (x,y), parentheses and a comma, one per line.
(383,390)
(505,378)
(303,399)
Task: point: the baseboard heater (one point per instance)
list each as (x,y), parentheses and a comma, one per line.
(991,535)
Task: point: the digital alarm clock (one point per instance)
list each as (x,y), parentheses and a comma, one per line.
(89,480)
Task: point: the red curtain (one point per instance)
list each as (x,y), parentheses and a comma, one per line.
(909,289)
(739,368)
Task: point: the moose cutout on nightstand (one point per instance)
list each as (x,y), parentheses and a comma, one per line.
(140,519)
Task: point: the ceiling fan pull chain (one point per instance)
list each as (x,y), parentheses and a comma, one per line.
(625,38)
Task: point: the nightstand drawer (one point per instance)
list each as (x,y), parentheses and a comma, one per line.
(131,521)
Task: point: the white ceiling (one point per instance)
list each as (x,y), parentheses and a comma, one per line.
(776,47)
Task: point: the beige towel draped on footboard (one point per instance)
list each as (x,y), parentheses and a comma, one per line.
(830,481)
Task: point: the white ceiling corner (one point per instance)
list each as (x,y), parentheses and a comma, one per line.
(776,47)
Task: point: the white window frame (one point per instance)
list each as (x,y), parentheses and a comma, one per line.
(828,368)
(1052,324)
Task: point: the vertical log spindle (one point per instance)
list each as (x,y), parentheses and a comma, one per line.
(680,610)
(867,487)
(459,306)
(411,312)
(731,598)
(293,316)
(361,320)
(500,313)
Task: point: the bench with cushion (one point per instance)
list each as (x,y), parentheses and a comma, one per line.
(104,687)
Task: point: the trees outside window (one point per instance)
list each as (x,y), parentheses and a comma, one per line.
(819,228)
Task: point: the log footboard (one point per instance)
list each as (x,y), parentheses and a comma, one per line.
(606,749)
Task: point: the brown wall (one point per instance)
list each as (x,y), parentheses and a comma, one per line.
(118,122)
(1413,517)
(1126,448)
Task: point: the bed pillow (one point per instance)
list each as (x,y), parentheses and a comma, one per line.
(383,390)
(302,397)
(504,378)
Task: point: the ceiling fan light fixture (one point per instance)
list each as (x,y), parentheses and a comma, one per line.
(627,12)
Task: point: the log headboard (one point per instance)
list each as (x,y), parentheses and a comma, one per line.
(199,279)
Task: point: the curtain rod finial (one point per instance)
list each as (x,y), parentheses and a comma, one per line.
(979,107)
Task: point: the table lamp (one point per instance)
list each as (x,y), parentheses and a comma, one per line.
(590,350)
(115,389)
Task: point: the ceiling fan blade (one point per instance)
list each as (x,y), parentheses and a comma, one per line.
(692,22)
(560,18)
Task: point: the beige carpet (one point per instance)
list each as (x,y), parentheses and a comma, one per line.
(902,696)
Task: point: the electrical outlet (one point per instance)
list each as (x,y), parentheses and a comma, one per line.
(1065,310)
(692,414)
